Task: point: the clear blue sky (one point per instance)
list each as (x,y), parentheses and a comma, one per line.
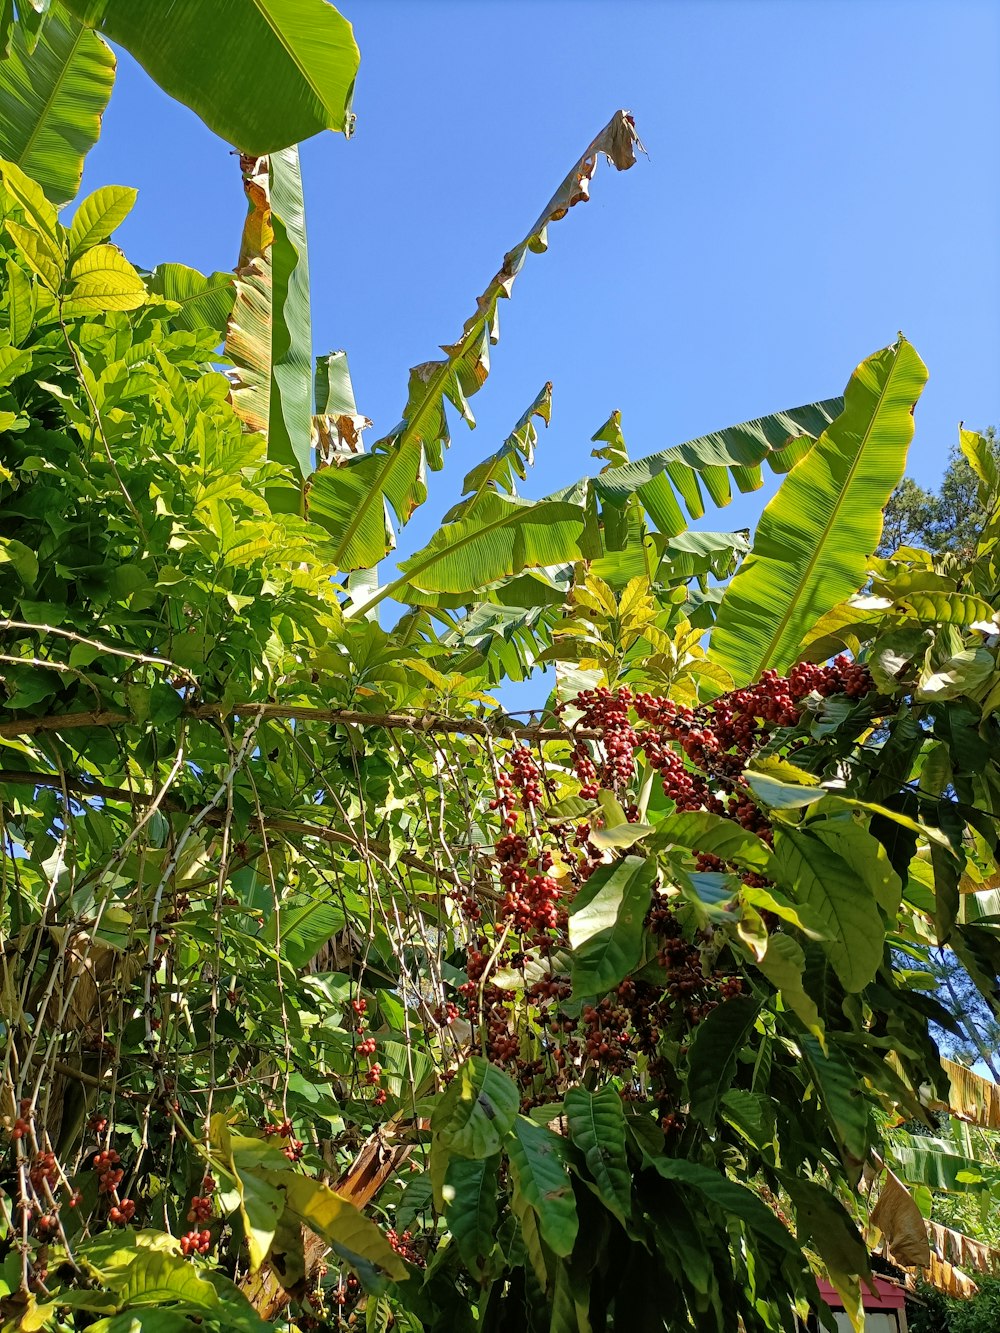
(820,175)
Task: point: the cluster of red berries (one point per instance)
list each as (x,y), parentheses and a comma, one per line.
(521,785)
(446,1014)
(122,1213)
(345,1291)
(403,1245)
(688,989)
(606,710)
(700,755)
(531,898)
(196,1242)
(44,1170)
(201,1208)
(22,1125)
(366,1048)
(293,1148)
(502,1043)
(109,1172)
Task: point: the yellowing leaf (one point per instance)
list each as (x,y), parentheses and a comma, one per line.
(972,1097)
(99,214)
(901,1223)
(102,280)
(338,1222)
(42,254)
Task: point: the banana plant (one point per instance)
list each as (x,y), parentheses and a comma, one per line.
(357,502)
(262,74)
(817,535)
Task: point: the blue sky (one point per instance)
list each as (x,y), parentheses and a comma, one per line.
(820,175)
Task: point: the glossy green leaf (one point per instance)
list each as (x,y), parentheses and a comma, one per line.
(41,255)
(866,857)
(780,795)
(472,1208)
(337,1221)
(269,337)
(981,458)
(948,608)
(20,303)
(701,831)
(841,1097)
(262,74)
(155,1278)
(815,875)
(815,537)
(784,966)
(290,428)
(476,1112)
(735,1200)
(13,362)
(511,460)
(596,1123)
(139,1320)
(537,1159)
(261,1206)
(606,922)
(823,1220)
(503,537)
(52,101)
(714,1051)
(752,1114)
(934,1163)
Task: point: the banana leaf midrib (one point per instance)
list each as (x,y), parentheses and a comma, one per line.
(473,535)
(376,491)
(50,100)
(823,537)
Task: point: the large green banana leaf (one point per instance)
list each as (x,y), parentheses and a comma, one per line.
(203,302)
(505,642)
(338,429)
(934,1163)
(815,537)
(512,459)
(353,502)
(738,451)
(269,337)
(263,74)
(51,103)
(504,536)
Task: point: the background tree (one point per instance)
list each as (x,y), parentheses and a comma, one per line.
(946,521)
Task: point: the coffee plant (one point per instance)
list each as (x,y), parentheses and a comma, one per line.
(331,993)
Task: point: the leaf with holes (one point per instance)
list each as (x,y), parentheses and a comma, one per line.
(537,1157)
(476,1112)
(597,1126)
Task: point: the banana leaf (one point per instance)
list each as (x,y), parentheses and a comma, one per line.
(263,74)
(814,540)
(355,503)
(52,101)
